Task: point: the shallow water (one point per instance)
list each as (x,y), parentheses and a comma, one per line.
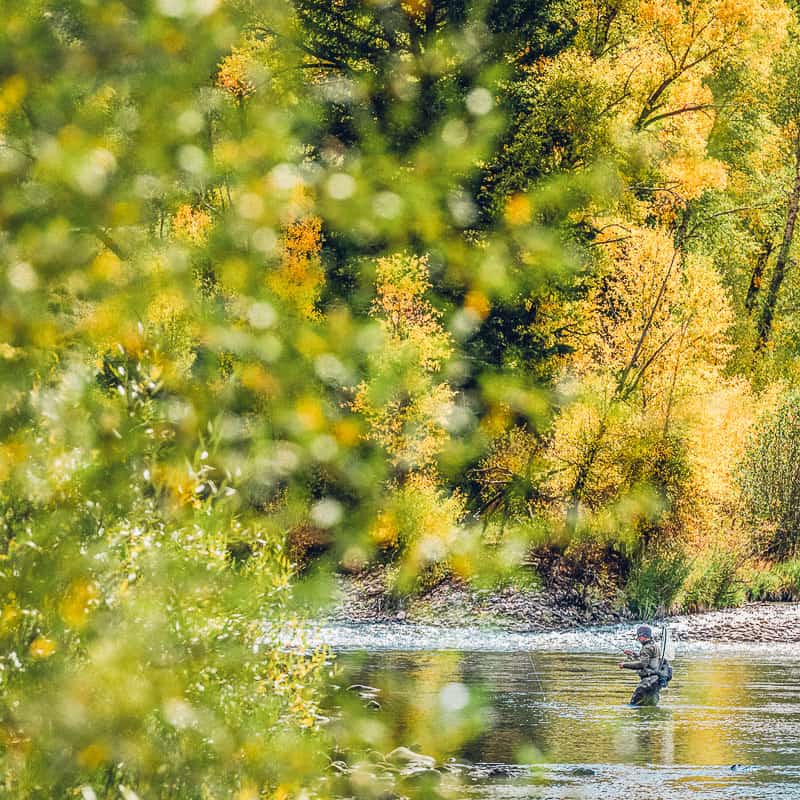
(555,707)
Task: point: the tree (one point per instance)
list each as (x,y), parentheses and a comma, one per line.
(787,114)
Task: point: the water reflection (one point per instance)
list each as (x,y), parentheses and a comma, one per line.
(562,712)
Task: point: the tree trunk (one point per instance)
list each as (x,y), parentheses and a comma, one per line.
(782,261)
(757,278)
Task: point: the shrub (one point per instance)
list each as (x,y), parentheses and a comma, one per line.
(419,525)
(789,572)
(713,583)
(779,581)
(769,478)
(654,583)
(762,584)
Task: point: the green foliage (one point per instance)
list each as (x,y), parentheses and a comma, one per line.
(183,185)
(780,581)
(761,584)
(558,125)
(283,274)
(713,582)
(769,477)
(655,581)
(789,575)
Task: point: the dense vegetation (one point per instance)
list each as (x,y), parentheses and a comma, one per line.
(430,283)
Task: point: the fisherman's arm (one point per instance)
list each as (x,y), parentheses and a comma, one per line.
(641,661)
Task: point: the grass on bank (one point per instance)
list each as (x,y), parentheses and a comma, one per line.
(675,583)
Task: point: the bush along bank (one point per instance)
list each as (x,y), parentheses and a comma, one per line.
(549,596)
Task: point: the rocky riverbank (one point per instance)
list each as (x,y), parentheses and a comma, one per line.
(364,599)
(750,623)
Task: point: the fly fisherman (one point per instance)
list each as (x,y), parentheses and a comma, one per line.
(647,664)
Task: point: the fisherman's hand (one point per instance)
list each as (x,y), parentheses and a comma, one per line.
(622,665)
(629,653)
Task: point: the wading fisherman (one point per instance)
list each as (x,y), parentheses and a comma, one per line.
(647,664)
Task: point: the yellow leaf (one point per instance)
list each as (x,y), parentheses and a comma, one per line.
(42,647)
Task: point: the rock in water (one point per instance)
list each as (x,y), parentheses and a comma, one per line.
(499,771)
(364,691)
(407,757)
(421,775)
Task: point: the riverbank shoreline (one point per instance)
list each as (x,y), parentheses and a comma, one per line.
(363,599)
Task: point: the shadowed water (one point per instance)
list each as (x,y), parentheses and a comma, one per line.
(552,715)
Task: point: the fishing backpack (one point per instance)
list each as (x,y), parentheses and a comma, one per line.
(667,651)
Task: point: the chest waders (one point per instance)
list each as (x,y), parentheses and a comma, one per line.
(648,691)
(656,674)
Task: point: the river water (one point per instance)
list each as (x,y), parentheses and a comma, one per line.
(545,715)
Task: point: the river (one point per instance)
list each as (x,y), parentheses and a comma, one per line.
(545,715)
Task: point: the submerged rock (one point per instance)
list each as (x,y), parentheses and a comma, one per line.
(362,690)
(404,756)
(368,693)
(491,771)
(421,775)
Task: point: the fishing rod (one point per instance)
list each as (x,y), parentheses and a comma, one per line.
(588,630)
(535,672)
(665,643)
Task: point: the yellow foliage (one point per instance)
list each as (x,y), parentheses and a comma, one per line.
(94,755)
(309,413)
(299,277)
(406,316)
(180,485)
(409,429)
(9,617)
(109,325)
(347,432)
(107,266)
(42,647)
(405,405)
(517,210)
(421,518)
(9,352)
(234,73)
(170,326)
(717,422)
(583,424)
(78,602)
(258,65)
(166,307)
(654,309)
(191,225)
(416,9)
(655,70)
(477,303)
(510,457)
(12,93)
